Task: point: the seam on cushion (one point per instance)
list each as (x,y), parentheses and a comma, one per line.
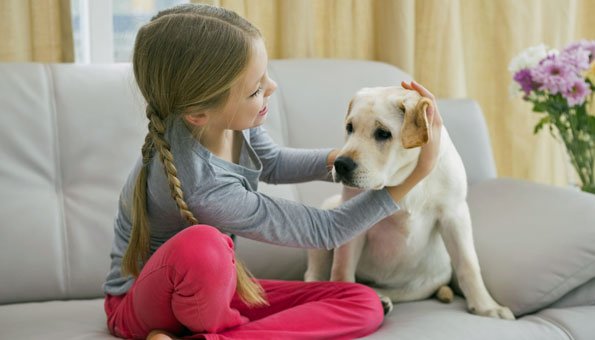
(535,306)
(58,179)
(556,324)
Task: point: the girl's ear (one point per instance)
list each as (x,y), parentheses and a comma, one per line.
(197,119)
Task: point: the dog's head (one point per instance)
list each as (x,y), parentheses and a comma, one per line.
(384,128)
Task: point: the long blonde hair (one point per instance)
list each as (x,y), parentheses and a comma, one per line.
(185,57)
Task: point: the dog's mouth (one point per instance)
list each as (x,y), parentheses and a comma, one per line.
(356,182)
(343,180)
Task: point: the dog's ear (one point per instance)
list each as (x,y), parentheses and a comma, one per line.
(414,131)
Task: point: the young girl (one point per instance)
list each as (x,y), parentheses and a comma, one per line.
(202,72)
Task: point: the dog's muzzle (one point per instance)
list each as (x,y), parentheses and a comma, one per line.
(344,167)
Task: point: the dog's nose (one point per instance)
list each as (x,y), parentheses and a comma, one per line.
(344,165)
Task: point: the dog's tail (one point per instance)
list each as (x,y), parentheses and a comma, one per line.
(445,294)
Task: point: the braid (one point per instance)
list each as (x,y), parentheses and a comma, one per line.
(139,245)
(148,148)
(157,132)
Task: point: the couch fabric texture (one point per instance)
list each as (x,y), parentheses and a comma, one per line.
(71,134)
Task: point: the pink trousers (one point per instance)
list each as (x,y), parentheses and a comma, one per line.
(188,288)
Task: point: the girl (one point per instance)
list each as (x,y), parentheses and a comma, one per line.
(202,72)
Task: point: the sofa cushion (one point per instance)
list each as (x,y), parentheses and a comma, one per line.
(75,319)
(268,261)
(583,295)
(85,319)
(577,322)
(534,242)
(431,320)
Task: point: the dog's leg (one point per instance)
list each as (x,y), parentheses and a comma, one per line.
(346,258)
(321,260)
(319,265)
(455,229)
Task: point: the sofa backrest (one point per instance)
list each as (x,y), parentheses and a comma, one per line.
(71,134)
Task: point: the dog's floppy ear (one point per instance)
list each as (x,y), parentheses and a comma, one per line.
(414,131)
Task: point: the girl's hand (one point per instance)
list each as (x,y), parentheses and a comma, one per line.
(429,151)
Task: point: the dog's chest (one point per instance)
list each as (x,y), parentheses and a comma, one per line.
(402,233)
(387,238)
(398,240)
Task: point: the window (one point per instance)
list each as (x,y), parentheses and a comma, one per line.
(104,30)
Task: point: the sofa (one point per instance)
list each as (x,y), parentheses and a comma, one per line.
(70,134)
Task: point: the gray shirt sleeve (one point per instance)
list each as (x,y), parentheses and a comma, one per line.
(229,206)
(282,165)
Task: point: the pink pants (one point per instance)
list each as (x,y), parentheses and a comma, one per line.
(188,288)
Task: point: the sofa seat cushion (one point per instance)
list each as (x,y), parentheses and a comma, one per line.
(430,320)
(73,319)
(577,322)
(581,296)
(534,242)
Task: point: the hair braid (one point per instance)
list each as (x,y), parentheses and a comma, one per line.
(139,246)
(148,147)
(157,132)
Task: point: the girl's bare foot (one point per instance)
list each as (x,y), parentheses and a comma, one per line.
(160,335)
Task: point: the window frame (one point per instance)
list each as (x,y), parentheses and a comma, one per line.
(97,31)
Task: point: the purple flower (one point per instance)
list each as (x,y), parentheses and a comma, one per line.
(577,93)
(523,77)
(586,45)
(578,59)
(554,75)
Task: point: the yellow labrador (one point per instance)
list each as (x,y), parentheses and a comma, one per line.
(405,256)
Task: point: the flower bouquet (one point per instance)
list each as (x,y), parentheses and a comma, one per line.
(560,85)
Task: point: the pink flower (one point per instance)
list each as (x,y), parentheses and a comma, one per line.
(577,59)
(587,45)
(577,93)
(554,75)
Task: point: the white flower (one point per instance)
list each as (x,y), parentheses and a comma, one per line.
(530,57)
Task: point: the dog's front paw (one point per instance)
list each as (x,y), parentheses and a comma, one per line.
(387,304)
(499,312)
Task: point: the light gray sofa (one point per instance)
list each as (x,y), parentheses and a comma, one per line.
(70,134)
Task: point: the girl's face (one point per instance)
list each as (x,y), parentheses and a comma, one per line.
(247,105)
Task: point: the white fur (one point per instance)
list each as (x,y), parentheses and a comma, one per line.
(406,256)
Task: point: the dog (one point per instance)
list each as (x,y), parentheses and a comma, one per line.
(410,255)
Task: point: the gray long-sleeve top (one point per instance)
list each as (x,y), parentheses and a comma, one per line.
(224,195)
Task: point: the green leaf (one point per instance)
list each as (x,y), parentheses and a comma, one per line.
(539,107)
(591,125)
(541,123)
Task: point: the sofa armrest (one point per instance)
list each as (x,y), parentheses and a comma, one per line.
(535,242)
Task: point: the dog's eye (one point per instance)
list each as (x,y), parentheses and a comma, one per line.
(382,135)
(349,128)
